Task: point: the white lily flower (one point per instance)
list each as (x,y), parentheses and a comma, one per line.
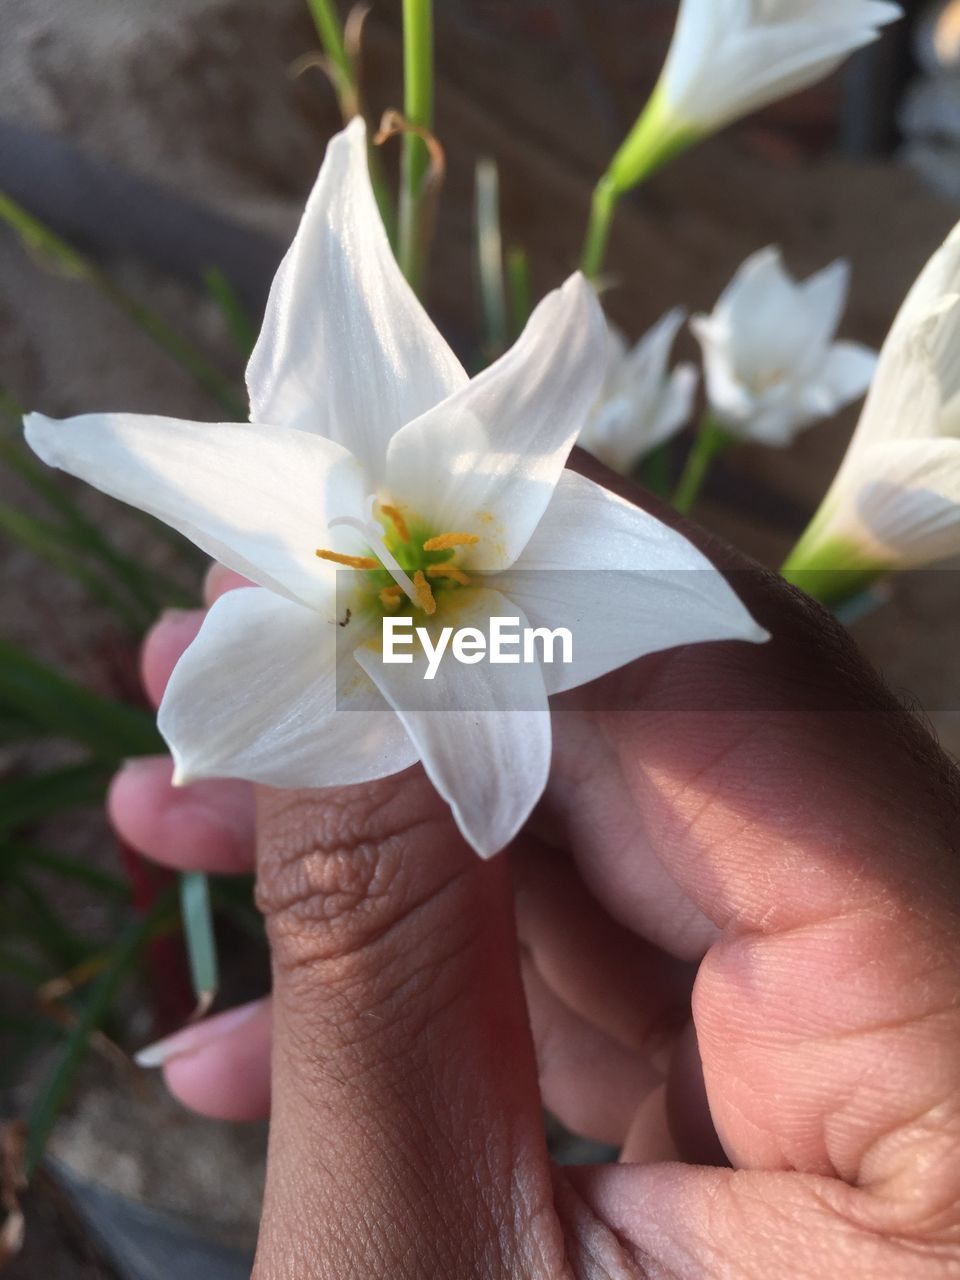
(895,502)
(445,499)
(642,404)
(731,57)
(771,364)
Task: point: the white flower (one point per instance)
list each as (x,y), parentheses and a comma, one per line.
(896,499)
(731,57)
(772,367)
(447,496)
(641,404)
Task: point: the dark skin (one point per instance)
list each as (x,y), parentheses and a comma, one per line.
(746,859)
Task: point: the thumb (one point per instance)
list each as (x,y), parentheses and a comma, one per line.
(405,1108)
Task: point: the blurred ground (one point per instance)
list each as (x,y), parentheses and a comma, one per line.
(199,99)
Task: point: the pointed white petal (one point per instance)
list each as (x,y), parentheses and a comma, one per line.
(486,460)
(482,731)
(346,349)
(623,583)
(256,697)
(730,57)
(676,407)
(907,499)
(847,373)
(256,499)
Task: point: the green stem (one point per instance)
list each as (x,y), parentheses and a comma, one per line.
(415,164)
(712,440)
(831,568)
(330,30)
(490,257)
(519,289)
(656,137)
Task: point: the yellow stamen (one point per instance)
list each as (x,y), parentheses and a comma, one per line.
(349,562)
(390,596)
(424,595)
(446,540)
(395,516)
(447,571)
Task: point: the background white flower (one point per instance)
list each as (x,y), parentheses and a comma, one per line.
(642,403)
(382,457)
(771,363)
(896,499)
(731,57)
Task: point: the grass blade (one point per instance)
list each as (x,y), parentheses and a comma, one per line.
(24,801)
(490,258)
(40,238)
(95,1008)
(231,308)
(65,868)
(60,705)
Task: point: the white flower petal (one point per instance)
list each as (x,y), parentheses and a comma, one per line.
(847,373)
(346,350)
(256,697)
(256,499)
(730,57)
(624,583)
(486,460)
(907,499)
(483,731)
(676,407)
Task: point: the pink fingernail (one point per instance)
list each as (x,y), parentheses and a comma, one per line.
(194,1038)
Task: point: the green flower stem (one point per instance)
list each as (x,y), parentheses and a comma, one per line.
(39,237)
(831,569)
(490,257)
(519,290)
(712,440)
(655,139)
(330,30)
(414,225)
(341,63)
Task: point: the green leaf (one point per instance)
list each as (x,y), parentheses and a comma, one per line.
(198,931)
(60,705)
(66,868)
(24,801)
(42,924)
(92,1013)
(52,544)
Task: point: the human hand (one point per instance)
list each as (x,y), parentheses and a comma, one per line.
(761,836)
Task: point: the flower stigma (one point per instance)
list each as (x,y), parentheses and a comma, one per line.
(419,561)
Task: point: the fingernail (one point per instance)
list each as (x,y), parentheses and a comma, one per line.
(194,1038)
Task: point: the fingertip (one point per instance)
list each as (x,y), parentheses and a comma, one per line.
(220,580)
(224,1070)
(172,633)
(207,826)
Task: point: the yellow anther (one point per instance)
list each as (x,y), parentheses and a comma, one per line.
(447,571)
(390,596)
(424,595)
(349,562)
(395,516)
(446,540)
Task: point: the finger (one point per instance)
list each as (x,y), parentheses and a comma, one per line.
(219,1067)
(220,580)
(206,826)
(589,1080)
(815,824)
(163,647)
(405,1109)
(601,970)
